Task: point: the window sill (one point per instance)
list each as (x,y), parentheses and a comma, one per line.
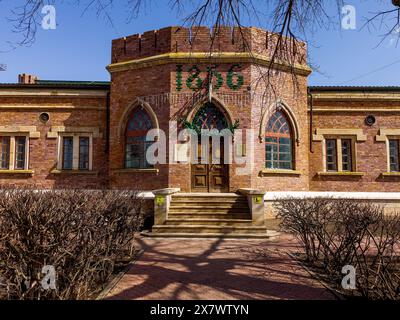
(76,172)
(391,174)
(342,173)
(267,172)
(17,172)
(149,170)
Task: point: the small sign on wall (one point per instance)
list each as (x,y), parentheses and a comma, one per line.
(160,200)
(240,149)
(258,199)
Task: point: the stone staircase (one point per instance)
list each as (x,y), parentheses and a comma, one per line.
(208,215)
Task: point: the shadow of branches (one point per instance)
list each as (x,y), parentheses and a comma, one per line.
(339,233)
(81,234)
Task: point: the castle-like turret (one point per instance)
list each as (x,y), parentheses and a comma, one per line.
(204,39)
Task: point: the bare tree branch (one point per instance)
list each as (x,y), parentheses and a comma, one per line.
(290,20)
(388,20)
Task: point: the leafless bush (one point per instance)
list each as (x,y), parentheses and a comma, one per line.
(336,233)
(298,218)
(83,234)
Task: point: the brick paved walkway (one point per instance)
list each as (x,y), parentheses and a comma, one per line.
(172,269)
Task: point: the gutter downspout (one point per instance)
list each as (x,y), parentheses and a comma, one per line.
(310,102)
(108,122)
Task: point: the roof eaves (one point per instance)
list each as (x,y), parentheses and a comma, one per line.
(354,88)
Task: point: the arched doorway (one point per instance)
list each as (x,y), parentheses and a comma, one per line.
(209,170)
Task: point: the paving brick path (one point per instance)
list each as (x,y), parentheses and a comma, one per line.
(172,269)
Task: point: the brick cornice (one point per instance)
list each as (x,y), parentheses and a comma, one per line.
(206,57)
(322,110)
(356,96)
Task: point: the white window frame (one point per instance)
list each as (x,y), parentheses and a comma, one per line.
(12,136)
(75,161)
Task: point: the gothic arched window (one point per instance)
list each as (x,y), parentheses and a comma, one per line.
(139,123)
(278,143)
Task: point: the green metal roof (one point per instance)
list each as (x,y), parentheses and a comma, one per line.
(67,83)
(60,84)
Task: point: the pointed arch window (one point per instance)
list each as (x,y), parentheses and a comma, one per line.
(279,143)
(139,123)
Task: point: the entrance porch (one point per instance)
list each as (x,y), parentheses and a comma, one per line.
(209,215)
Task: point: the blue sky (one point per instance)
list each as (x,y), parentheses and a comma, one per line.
(79,48)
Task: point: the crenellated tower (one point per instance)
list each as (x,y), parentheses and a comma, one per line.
(171,73)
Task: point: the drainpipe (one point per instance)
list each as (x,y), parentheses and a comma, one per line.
(310,100)
(108,122)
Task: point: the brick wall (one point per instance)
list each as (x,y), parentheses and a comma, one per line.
(293,93)
(43,151)
(126,87)
(371,156)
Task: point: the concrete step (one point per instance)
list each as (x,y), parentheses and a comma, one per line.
(267,235)
(207,215)
(196,229)
(201,210)
(212,198)
(209,205)
(228,196)
(209,201)
(213,222)
(207,195)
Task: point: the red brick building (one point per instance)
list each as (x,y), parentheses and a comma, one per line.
(60,134)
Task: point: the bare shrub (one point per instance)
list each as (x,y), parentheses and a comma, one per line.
(335,233)
(83,234)
(302,218)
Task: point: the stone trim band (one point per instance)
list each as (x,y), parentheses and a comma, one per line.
(30,130)
(320,133)
(206,57)
(55,130)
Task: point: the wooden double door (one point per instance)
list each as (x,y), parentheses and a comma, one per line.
(210,173)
